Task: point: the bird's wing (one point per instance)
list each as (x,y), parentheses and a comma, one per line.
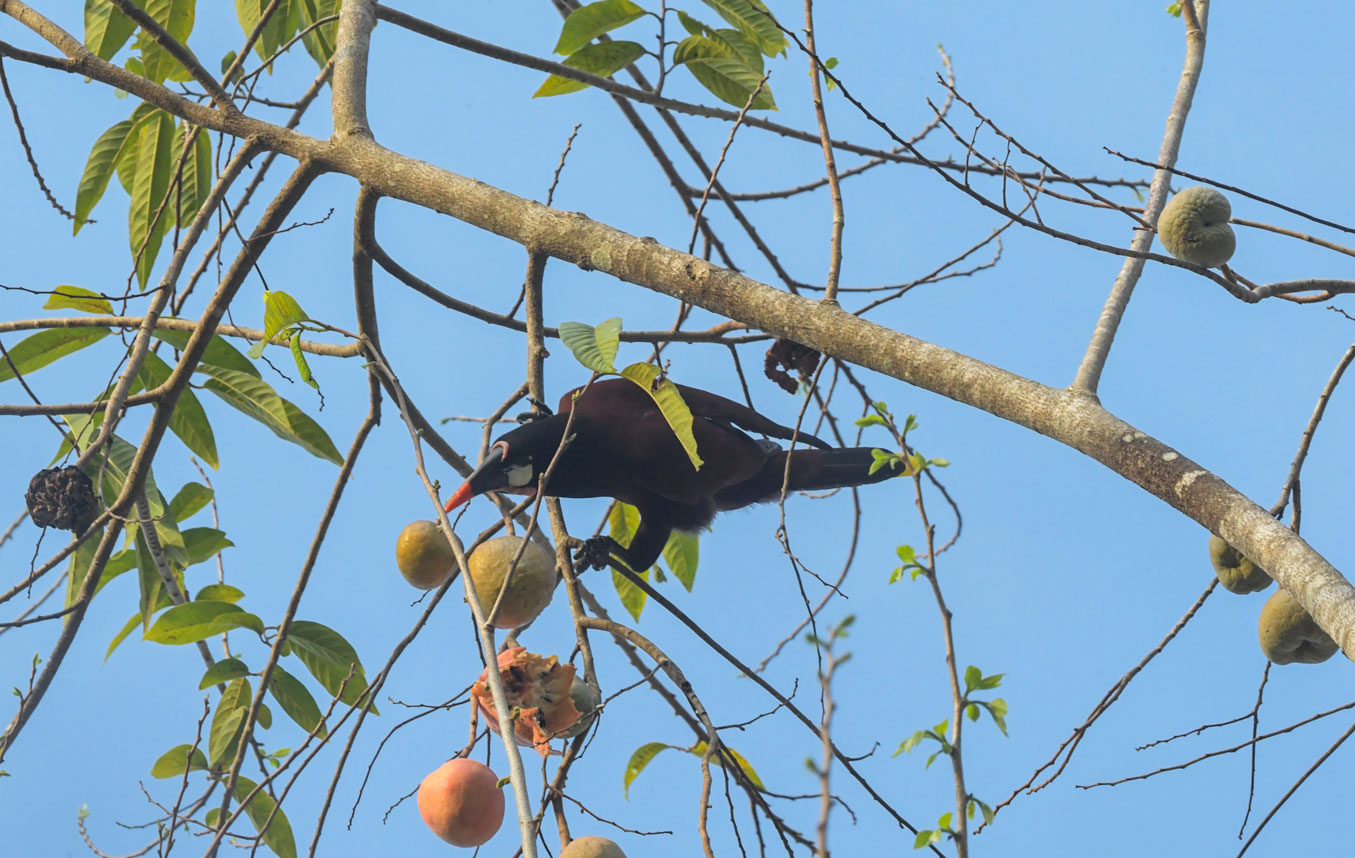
(717,409)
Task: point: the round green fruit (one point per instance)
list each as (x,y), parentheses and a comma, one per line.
(592,847)
(532,585)
(1194,227)
(461,802)
(1236,573)
(424,555)
(1288,634)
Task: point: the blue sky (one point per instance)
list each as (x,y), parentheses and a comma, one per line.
(1065,576)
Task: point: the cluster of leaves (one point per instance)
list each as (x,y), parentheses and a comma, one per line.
(975,682)
(727,61)
(165,164)
(908,464)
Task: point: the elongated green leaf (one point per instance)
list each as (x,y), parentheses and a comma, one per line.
(68,297)
(223,671)
(280,27)
(731,80)
(281,311)
(194,621)
(720,43)
(107,29)
(602,59)
(150,580)
(257,398)
(320,41)
(177,761)
(296,700)
(154,168)
(218,354)
(681,553)
(671,405)
(195,181)
(36,351)
(188,421)
(176,17)
(753,19)
(228,723)
(190,499)
(329,658)
(622,522)
(220,593)
(638,760)
(595,348)
(107,150)
(588,22)
(699,750)
(132,622)
(303,368)
(204,543)
(268,819)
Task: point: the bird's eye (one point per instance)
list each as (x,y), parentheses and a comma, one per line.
(519,475)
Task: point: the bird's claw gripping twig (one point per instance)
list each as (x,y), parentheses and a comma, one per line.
(595,552)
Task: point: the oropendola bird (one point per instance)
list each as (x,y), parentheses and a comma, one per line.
(623,448)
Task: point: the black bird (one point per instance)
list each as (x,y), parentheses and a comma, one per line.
(623,448)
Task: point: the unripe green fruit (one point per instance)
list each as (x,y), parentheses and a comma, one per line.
(1236,573)
(533,581)
(1194,227)
(1288,634)
(424,555)
(586,700)
(592,847)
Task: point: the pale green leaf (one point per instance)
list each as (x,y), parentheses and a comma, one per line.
(195,179)
(603,59)
(111,146)
(588,22)
(268,819)
(319,42)
(190,499)
(204,543)
(106,28)
(595,348)
(281,311)
(754,21)
(188,421)
(699,750)
(67,297)
(303,368)
(195,621)
(223,671)
(257,398)
(177,761)
(296,701)
(731,80)
(155,161)
(681,553)
(666,395)
(220,593)
(219,353)
(638,760)
(176,17)
(36,351)
(329,658)
(228,723)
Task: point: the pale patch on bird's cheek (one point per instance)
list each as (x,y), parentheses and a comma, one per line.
(519,475)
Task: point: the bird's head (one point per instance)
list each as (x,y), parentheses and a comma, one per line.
(515,461)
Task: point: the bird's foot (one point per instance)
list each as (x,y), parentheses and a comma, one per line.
(595,552)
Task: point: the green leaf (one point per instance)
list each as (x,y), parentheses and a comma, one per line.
(1174,9)
(228,60)
(204,543)
(223,671)
(588,22)
(265,716)
(178,761)
(281,311)
(131,624)
(150,581)
(257,398)
(176,17)
(228,723)
(199,620)
(155,159)
(296,700)
(906,553)
(731,80)
(219,593)
(603,59)
(299,358)
(972,710)
(924,838)
(190,500)
(219,354)
(638,760)
(36,351)
(988,812)
(870,420)
(319,42)
(595,348)
(67,297)
(998,709)
(188,421)
(907,745)
(107,29)
(665,395)
(754,21)
(622,522)
(972,676)
(699,750)
(329,657)
(944,821)
(275,32)
(195,181)
(681,553)
(277,835)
